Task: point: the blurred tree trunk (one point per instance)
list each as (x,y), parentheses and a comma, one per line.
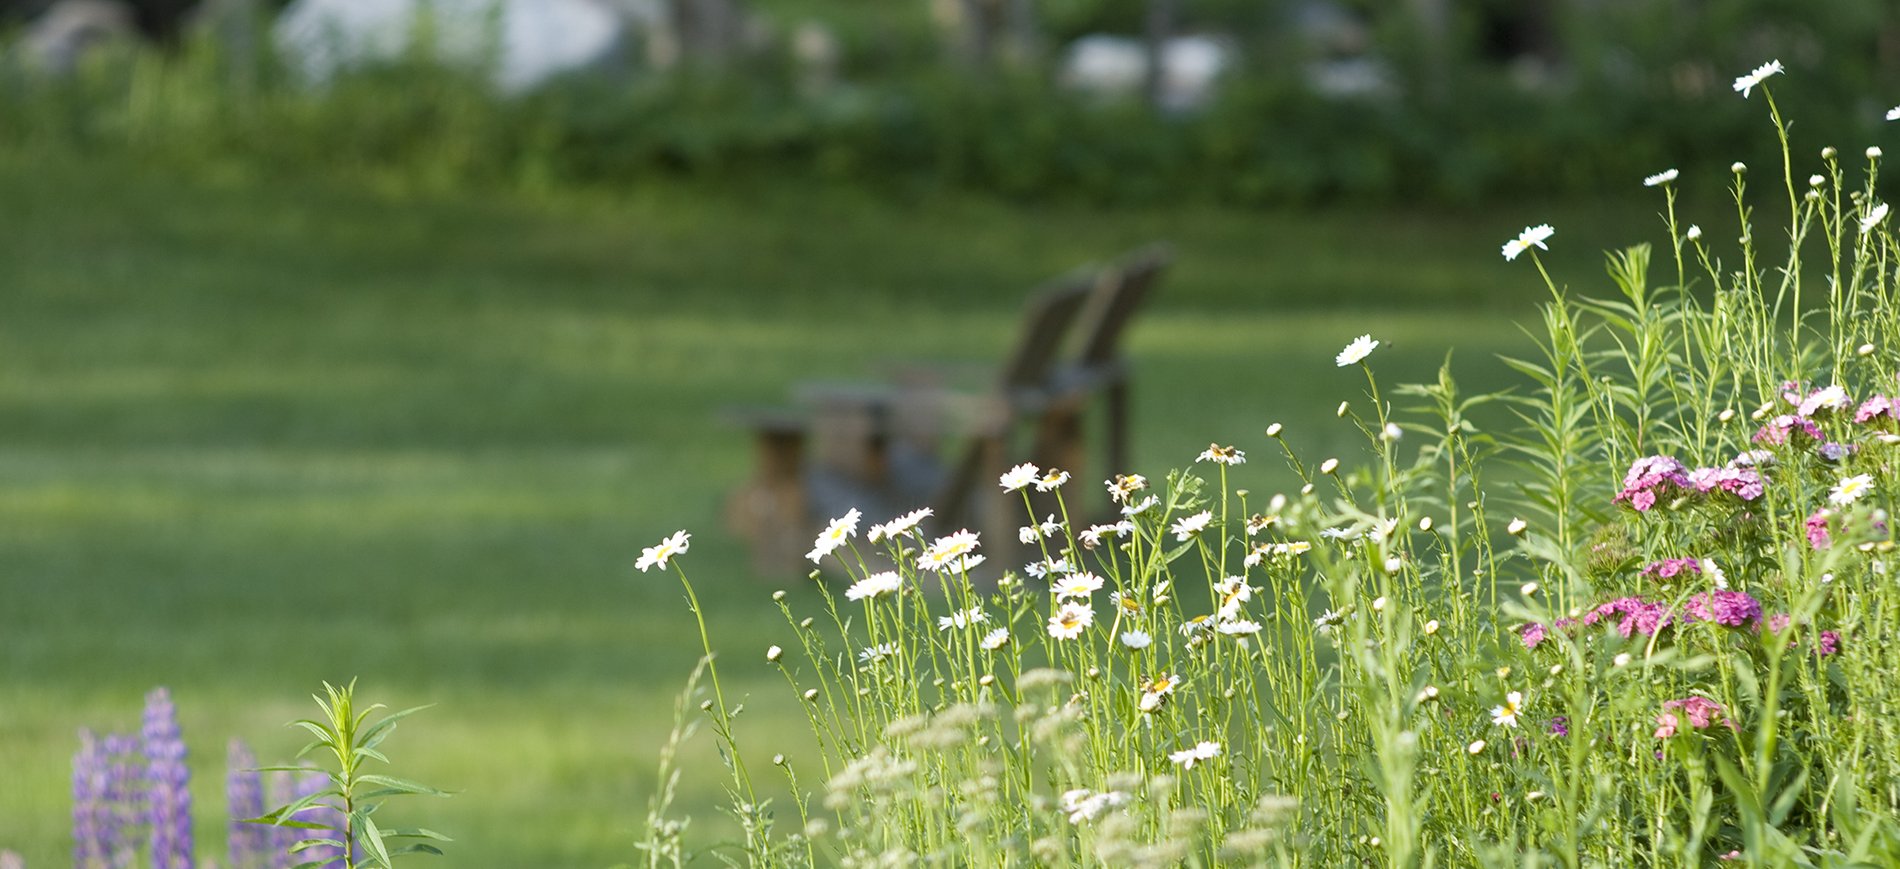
(980,34)
(1433,26)
(1157,29)
(707,31)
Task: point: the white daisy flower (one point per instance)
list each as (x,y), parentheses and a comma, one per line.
(947,549)
(1047,567)
(995,639)
(962,619)
(1068,622)
(874,654)
(1137,508)
(883,582)
(1532,236)
(1083,805)
(962,564)
(1832,398)
(1031,533)
(1663,177)
(1196,625)
(657,556)
(1873,218)
(1292,547)
(1019,476)
(1358,350)
(1192,525)
(1714,572)
(1155,692)
(1201,753)
(1052,480)
(1328,620)
(1124,486)
(841,529)
(899,526)
(1746,83)
(1222,455)
(1849,490)
(1137,639)
(1506,715)
(1091,537)
(1239,628)
(1077,586)
(1231,594)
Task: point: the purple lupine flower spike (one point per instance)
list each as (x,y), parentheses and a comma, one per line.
(91,814)
(169,799)
(122,801)
(244,788)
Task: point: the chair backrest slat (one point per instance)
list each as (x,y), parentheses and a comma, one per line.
(1109,315)
(1049,314)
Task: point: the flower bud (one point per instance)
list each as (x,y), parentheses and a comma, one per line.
(1273,431)
(1828,153)
(1343,406)
(1864,350)
(1328,466)
(1528,589)
(1738,167)
(1694,232)
(1517,526)
(774,653)
(811,694)
(1816,181)
(1431,627)
(1873,152)
(1425,523)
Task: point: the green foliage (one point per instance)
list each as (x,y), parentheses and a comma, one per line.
(353,741)
(1623,89)
(1686,668)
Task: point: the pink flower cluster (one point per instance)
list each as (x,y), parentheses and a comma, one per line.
(1700,712)
(1668,568)
(1731,608)
(1782,429)
(1876,407)
(1634,615)
(1652,477)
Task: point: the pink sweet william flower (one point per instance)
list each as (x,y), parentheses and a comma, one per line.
(1649,477)
(1730,608)
(1873,408)
(1666,725)
(1668,568)
(1638,616)
(1828,643)
(1742,482)
(1782,429)
(1779,622)
(1533,634)
(1817,528)
(1699,712)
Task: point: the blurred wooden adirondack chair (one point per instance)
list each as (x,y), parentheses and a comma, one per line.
(877,447)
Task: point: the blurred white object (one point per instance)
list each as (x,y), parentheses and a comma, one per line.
(1118,65)
(522,42)
(68,29)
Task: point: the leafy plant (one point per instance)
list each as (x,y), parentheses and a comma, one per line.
(345,735)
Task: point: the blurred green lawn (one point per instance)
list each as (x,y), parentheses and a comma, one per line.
(254,435)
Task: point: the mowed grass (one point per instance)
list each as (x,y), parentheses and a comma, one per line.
(254,435)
